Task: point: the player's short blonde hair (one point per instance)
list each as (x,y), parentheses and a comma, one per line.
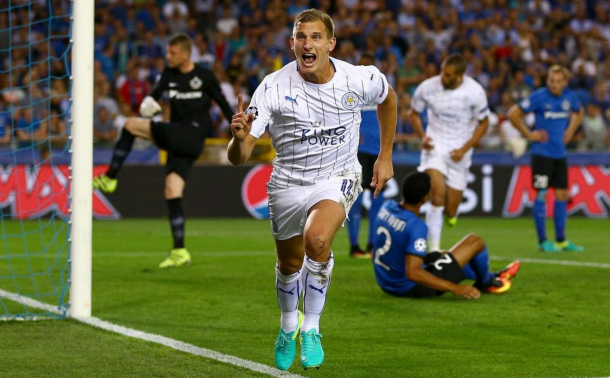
(182,40)
(312,15)
(558,68)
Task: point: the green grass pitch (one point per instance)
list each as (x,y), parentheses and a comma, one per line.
(554,322)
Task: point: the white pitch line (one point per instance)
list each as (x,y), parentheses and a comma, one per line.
(158,339)
(553,262)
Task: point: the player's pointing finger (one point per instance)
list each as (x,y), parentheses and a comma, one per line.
(239,105)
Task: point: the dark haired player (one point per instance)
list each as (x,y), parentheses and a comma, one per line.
(403,268)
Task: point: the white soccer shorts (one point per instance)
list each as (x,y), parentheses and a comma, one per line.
(456,173)
(288,207)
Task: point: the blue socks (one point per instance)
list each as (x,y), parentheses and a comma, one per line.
(560,216)
(539,213)
(353,225)
(376,204)
(480,267)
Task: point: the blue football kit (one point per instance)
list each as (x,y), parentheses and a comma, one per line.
(552,115)
(398,232)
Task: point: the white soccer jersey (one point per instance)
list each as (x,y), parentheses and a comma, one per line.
(314,127)
(453,114)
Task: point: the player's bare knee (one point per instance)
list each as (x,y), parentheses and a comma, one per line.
(476,241)
(288,274)
(317,244)
(289,264)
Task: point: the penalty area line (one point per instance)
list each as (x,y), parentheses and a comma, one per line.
(157,339)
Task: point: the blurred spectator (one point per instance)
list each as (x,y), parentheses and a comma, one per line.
(173,7)
(28,131)
(133,90)
(227,22)
(104,132)
(57,136)
(200,53)
(512,139)
(595,130)
(5,125)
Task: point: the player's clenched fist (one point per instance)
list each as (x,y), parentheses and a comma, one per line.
(241,123)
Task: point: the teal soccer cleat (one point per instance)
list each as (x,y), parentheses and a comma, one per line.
(286,346)
(568,246)
(312,354)
(547,246)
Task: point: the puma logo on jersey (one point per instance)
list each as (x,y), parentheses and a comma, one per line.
(292,99)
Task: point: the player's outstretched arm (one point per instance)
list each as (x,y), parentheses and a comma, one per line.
(387,113)
(515,115)
(417,274)
(241,145)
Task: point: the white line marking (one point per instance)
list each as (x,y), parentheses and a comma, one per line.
(553,262)
(158,339)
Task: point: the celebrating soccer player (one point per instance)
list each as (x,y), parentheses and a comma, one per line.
(403,268)
(557,113)
(312,107)
(457,113)
(191,90)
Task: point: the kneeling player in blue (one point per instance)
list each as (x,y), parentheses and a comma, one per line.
(404,269)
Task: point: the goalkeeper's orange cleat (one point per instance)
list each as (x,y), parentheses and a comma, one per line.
(510,271)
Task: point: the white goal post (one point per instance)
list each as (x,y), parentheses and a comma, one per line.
(82,158)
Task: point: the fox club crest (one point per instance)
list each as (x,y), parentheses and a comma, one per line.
(350,100)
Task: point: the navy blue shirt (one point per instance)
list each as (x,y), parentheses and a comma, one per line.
(398,233)
(553,115)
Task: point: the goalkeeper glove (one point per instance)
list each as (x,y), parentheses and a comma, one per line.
(149,107)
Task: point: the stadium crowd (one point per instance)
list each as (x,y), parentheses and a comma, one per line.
(509,44)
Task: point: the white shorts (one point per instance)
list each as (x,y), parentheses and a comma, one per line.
(456,173)
(288,207)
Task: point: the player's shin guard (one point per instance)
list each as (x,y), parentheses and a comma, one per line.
(122,148)
(317,281)
(539,214)
(288,294)
(434,221)
(560,217)
(176,221)
(376,204)
(353,225)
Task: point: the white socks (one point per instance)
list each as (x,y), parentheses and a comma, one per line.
(288,293)
(434,221)
(313,283)
(315,287)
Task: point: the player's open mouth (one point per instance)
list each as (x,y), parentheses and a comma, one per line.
(309,59)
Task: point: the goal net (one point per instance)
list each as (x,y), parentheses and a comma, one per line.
(35,179)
